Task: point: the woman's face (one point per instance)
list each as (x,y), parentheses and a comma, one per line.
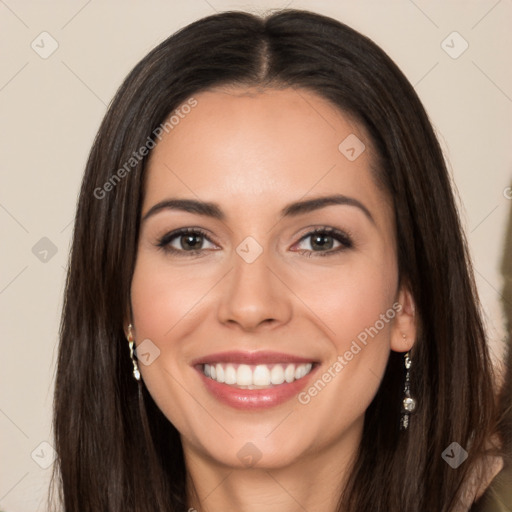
(264,343)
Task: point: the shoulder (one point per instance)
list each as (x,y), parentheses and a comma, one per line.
(479,481)
(498,496)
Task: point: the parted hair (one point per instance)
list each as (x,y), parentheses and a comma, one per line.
(116,451)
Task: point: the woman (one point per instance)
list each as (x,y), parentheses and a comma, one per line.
(269,303)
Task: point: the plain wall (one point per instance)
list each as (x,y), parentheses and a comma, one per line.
(51,109)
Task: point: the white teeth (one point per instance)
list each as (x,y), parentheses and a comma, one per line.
(289,373)
(220,373)
(260,375)
(244,375)
(277,375)
(230,374)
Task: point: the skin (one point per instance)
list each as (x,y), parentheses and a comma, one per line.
(253,152)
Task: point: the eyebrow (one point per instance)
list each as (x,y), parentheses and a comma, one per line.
(291,210)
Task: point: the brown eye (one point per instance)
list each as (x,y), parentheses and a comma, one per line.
(190,241)
(323,240)
(184,241)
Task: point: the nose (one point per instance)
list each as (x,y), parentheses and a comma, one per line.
(254,295)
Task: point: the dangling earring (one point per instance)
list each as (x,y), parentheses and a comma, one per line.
(136,372)
(409,403)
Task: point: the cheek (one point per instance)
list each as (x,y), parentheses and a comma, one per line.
(355,305)
(357,312)
(164,303)
(162,296)
(352,297)
(359,303)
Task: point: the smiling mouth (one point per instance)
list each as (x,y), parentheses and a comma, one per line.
(261,376)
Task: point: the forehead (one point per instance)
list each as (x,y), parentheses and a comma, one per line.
(246,145)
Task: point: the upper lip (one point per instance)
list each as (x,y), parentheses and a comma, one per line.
(251,358)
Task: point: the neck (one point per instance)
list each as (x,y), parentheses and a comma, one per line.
(313,482)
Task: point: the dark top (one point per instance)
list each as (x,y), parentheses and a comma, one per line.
(498,496)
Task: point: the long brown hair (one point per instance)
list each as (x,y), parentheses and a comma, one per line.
(116,450)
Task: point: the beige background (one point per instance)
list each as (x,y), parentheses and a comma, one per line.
(51,109)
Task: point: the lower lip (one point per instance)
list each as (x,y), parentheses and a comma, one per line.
(255,398)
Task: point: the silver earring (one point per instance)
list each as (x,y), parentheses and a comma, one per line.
(136,372)
(408,403)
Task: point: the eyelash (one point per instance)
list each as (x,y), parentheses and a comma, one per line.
(343,238)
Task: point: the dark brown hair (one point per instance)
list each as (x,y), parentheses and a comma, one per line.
(116,450)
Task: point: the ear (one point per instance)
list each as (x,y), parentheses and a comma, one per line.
(404,329)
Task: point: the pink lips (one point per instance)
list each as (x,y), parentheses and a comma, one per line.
(251,399)
(250,358)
